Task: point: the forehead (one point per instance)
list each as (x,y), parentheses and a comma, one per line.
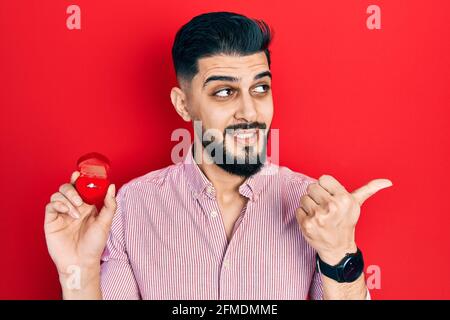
(243,66)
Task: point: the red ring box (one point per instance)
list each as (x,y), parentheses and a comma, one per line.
(93,182)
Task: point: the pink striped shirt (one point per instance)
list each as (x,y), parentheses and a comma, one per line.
(168,240)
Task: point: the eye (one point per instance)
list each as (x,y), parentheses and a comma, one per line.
(224,93)
(262,88)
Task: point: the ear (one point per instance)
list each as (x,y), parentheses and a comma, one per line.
(178,98)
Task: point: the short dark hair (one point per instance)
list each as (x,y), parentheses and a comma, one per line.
(217,33)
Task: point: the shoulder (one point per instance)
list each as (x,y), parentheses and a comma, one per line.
(150,182)
(293,179)
(293,184)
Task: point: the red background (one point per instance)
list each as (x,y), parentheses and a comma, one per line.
(351,102)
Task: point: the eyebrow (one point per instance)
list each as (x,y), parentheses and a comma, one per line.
(234,79)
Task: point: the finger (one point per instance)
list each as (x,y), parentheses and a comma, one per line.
(74,177)
(318,194)
(69,191)
(109,208)
(301,215)
(73,211)
(308,205)
(365,192)
(331,185)
(52,209)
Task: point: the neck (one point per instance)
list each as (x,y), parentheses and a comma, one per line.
(224,182)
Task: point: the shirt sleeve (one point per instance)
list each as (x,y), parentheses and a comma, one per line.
(316,287)
(116,274)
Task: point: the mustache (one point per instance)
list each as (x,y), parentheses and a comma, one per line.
(247,126)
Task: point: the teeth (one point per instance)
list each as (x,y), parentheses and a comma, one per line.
(245,134)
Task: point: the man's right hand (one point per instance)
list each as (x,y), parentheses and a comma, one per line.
(76,234)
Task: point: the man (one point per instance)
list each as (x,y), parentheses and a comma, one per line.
(221,224)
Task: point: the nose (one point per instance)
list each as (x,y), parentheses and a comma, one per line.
(247,109)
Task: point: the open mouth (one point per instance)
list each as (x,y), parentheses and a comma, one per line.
(246,137)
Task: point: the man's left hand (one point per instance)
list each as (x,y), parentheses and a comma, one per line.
(328,215)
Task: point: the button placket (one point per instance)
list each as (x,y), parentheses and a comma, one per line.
(225,276)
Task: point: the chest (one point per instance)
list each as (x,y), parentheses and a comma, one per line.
(231,212)
(181,249)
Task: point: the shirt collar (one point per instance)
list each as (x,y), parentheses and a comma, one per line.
(200,184)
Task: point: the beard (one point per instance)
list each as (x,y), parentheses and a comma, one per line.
(244,166)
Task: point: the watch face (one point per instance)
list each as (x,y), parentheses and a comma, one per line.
(353,268)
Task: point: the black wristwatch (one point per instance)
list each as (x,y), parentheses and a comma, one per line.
(347,270)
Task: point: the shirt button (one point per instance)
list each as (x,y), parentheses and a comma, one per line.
(226,264)
(210,190)
(214,214)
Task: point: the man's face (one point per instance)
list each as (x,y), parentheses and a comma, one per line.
(232,94)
